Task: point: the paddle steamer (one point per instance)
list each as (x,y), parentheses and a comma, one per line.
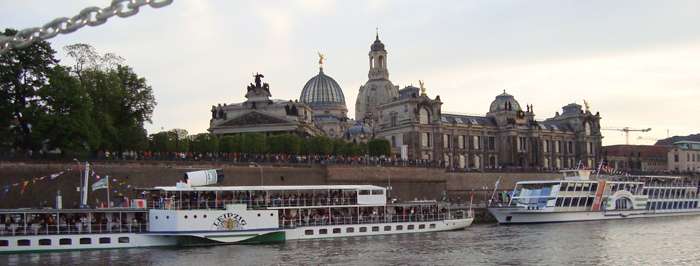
(578,198)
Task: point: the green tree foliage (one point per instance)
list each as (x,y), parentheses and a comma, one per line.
(161,141)
(254,143)
(304,148)
(22,73)
(283,144)
(362,149)
(350,149)
(320,145)
(203,143)
(226,144)
(122,101)
(65,122)
(181,140)
(379,147)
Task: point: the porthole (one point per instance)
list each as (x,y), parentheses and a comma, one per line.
(363,229)
(195,216)
(432,226)
(258,215)
(156,217)
(336,230)
(271,215)
(323,231)
(185,216)
(85,241)
(105,240)
(387,228)
(65,241)
(422,226)
(350,230)
(167,217)
(375,228)
(44,242)
(309,232)
(204,216)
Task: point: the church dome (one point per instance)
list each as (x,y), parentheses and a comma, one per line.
(322,91)
(377,45)
(504,102)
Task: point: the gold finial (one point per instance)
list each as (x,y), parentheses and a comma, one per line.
(320,60)
(588,109)
(422,87)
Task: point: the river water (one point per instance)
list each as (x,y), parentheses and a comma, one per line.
(650,241)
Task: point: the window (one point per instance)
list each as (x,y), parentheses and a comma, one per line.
(23,242)
(432,226)
(393,141)
(424,116)
(4,243)
(44,242)
(387,228)
(675,157)
(570,146)
(393,121)
(309,232)
(65,241)
(546,146)
(85,241)
(375,228)
(377,192)
(460,141)
(323,231)
(476,142)
(422,226)
(425,139)
(399,227)
(410,227)
(492,143)
(363,229)
(522,143)
(105,240)
(123,240)
(559,148)
(350,230)
(336,230)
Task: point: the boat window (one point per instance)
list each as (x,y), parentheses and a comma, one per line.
(399,227)
(323,231)
(4,243)
(85,241)
(364,192)
(309,232)
(590,201)
(65,241)
(377,192)
(594,187)
(410,227)
(123,240)
(44,242)
(387,228)
(559,201)
(336,230)
(23,242)
(564,186)
(363,229)
(375,228)
(105,240)
(567,202)
(422,226)
(432,225)
(574,202)
(350,230)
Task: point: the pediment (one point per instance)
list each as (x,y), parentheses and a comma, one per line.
(253,118)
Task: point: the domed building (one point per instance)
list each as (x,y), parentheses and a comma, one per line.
(378,90)
(325,97)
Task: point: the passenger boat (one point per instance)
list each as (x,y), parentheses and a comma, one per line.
(578,198)
(192,213)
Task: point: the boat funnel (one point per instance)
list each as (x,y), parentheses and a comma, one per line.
(205,177)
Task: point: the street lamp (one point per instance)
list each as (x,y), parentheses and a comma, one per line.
(388,173)
(261,173)
(81,179)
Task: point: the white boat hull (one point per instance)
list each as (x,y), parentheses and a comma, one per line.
(68,242)
(516,215)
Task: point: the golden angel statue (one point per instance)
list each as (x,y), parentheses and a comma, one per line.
(586,104)
(320,60)
(422,87)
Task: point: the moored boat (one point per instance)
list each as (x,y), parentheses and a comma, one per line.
(191,214)
(578,198)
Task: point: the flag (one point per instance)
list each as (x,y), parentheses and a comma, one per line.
(100,184)
(98,177)
(93,173)
(497,181)
(471,198)
(23,187)
(54,175)
(6,189)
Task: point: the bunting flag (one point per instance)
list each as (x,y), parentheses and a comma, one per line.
(92,173)
(100,184)
(98,177)
(6,189)
(23,187)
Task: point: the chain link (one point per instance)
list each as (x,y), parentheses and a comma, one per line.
(91,16)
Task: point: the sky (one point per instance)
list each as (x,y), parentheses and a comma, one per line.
(637,63)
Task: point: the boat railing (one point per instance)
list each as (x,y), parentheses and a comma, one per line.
(177,204)
(365,219)
(70,229)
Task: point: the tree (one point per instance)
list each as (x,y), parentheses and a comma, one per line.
(254,143)
(65,122)
(379,147)
(321,145)
(226,144)
(204,143)
(182,142)
(161,142)
(22,73)
(283,144)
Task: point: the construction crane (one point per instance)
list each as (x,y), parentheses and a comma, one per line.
(668,135)
(627,131)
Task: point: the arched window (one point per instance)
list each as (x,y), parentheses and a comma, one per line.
(393,141)
(371,62)
(424,116)
(588,128)
(380,63)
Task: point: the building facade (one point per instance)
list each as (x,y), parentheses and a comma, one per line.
(684,156)
(636,157)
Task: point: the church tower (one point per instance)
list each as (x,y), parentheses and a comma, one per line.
(378,90)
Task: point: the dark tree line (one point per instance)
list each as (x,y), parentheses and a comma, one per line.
(97,104)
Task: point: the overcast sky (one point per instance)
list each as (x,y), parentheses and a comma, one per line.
(635,62)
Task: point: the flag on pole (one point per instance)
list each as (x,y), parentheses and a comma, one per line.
(100,184)
(23,187)
(471,198)
(499,180)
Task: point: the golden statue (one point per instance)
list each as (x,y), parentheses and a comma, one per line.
(320,60)
(588,109)
(422,87)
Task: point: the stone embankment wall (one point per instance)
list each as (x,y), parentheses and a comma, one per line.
(408,182)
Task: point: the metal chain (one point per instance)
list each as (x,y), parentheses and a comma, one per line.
(92,16)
